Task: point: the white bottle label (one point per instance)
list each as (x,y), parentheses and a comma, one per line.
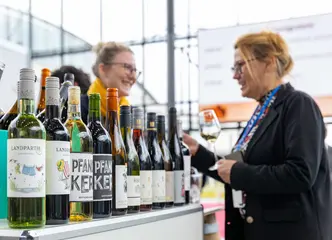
(134,190)
(81,177)
(158,186)
(146,187)
(187,167)
(102,177)
(179,186)
(26,168)
(169,186)
(121,200)
(57,168)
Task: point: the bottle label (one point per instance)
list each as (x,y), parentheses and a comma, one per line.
(179,186)
(57,167)
(146,187)
(134,191)
(26,168)
(102,177)
(158,186)
(81,177)
(187,167)
(121,200)
(169,186)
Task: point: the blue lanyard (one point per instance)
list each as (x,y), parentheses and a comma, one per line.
(254,118)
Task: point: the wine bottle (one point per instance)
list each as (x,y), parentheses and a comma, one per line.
(186,162)
(144,160)
(26,160)
(68,81)
(11,114)
(57,158)
(41,103)
(177,157)
(119,155)
(133,168)
(157,159)
(167,161)
(81,148)
(102,160)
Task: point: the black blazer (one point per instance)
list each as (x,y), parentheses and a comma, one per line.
(285,175)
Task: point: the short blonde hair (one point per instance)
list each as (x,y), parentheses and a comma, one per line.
(106,52)
(264,45)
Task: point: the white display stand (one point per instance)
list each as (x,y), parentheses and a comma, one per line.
(175,223)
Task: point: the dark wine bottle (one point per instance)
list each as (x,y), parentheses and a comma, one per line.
(57,158)
(119,155)
(186,162)
(102,160)
(133,168)
(144,160)
(157,159)
(177,157)
(10,115)
(41,103)
(167,161)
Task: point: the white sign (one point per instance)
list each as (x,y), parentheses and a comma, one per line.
(310,44)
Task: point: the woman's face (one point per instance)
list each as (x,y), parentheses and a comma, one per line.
(120,74)
(251,86)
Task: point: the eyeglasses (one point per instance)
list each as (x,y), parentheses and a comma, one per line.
(130,68)
(237,68)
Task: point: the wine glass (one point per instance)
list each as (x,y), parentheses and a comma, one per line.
(2,67)
(210,130)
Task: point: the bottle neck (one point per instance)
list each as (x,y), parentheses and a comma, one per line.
(27,106)
(94,115)
(74,111)
(52,111)
(161,131)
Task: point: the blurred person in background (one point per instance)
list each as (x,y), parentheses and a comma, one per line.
(82,80)
(114,67)
(278,186)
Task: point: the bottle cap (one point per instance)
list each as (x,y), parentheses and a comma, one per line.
(94,96)
(172,110)
(112,92)
(125,109)
(27,74)
(52,82)
(161,118)
(74,95)
(138,112)
(69,77)
(151,116)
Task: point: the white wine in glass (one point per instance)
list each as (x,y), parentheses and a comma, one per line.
(209,128)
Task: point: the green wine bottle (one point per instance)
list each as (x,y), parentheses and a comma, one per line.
(26,160)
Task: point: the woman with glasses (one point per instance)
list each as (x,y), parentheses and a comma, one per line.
(114,67)
(277,181)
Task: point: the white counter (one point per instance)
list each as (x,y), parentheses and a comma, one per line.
(177,223)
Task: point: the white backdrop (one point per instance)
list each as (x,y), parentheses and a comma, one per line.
(310,43)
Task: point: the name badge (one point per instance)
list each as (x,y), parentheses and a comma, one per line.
(238,201)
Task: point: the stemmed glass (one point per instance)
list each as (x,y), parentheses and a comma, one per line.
(210,130)
(2,67)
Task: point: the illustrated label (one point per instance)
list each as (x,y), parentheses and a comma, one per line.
(134,190)
(102,177)
(26,168)
(121,200)
(179,186)
(82,177)
(146,187)
(57,167)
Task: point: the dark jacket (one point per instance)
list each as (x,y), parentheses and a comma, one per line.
(84,108)
(285,175)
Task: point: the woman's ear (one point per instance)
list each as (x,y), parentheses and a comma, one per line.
(101,68)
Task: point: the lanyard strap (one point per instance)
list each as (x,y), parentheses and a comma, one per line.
(254,118)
